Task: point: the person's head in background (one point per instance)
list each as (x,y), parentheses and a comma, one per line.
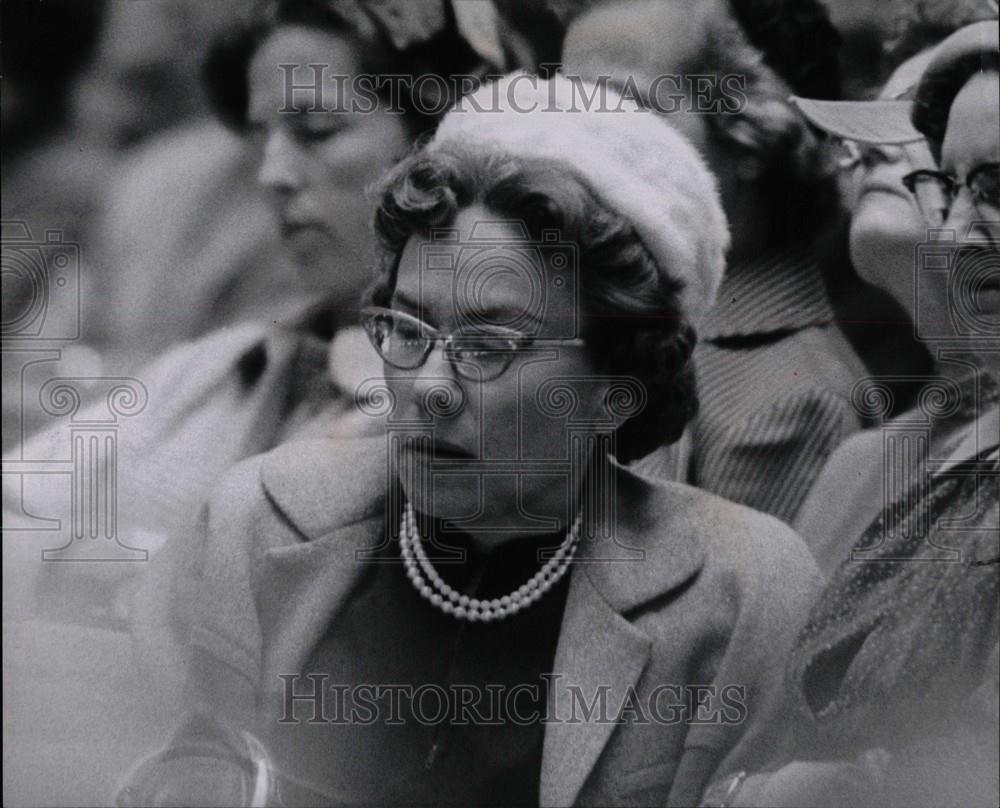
(777,186)
(878,37)
(318,151)
(45,46)
(145,74)
(957,108)
(886,222)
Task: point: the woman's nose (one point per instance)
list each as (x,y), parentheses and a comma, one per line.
(873,155)
(279,170)
(962,215)
(437,391)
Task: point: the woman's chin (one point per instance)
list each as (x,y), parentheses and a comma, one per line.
(448,496)
(885,256)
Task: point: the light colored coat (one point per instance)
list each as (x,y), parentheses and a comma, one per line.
(714,597)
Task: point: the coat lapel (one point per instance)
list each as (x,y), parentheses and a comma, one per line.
(340,517)
(598,646)
(305,586)
(598,649)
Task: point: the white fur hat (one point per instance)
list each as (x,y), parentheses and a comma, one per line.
(630,158)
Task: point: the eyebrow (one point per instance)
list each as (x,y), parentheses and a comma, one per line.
(504,313)
(404,299)
(411,306)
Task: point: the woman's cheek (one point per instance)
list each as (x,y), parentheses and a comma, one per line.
(358,156)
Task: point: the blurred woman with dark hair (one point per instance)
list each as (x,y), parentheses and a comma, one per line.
(535,310)
(235,392)
(246,388)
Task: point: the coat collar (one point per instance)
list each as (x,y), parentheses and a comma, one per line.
(778,290)
(646,541)
(333,493)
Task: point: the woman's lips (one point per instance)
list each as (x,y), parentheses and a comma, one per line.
(880,187)
(291,229)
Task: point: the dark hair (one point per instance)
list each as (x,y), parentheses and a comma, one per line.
(937,92)
(632,320)
(921,24)
(780,47)
(45,46)
(224,73)
(798,42)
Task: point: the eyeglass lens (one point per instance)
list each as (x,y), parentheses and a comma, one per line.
(405,343)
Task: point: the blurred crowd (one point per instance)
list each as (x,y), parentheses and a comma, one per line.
(206,243)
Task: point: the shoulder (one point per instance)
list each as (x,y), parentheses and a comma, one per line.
(736,538)
(847,493)
(317,486)
(299,492)
(756,569)
(725,550)
(202,362)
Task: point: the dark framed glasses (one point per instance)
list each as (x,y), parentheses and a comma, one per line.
(404,342)
(936,191)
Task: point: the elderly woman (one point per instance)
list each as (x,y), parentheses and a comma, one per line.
(483,606)
(886,231)
(894,677)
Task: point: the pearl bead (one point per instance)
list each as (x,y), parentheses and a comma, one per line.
(448,600)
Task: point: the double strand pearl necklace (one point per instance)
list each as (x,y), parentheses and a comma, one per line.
(428,583)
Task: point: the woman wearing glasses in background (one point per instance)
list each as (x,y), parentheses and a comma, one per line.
(541,613)
(897,199)
(894,679)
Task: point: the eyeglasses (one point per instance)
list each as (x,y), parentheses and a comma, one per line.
(936,191)
(850,154)
(847,153)
(404,342)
